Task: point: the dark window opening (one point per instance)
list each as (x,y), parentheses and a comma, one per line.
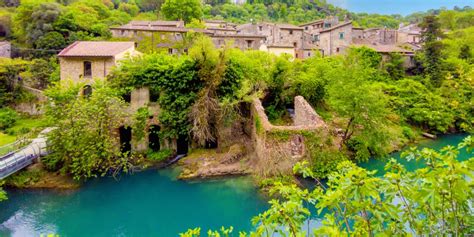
(295,44)
(182,145)
(87,91)
(337,50)
(154,96)
(211,144)
(87,69)
(125,139)
(296,55)
(170,51)
(260,28)
(291,32)
(249,43)
(127,97)
(306,28)
(154,138)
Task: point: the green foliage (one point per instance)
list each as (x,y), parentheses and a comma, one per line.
(10,85)
(161,155)
(3,194)
(432,49)
(364,106)
(84,144)
(140,123)
(394,66)
(8,118)
(355,202)
(185,10)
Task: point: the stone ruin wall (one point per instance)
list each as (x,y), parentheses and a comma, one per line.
(276,155)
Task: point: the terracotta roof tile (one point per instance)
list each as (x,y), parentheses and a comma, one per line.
(95,49)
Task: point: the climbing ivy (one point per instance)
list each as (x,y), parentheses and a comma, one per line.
(140,123)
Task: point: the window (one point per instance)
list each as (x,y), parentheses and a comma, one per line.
(122,32)
(315,37)
(305,28)
(87,69)
(295,44)
(414,39)
(341,35)
(309,54)
(170,51)
(249,43)
(327,25)
(186,51)
(260,28)
(87,90)
(337,50)
(291,32)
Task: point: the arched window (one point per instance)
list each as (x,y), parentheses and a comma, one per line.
(87,69)
(87,90)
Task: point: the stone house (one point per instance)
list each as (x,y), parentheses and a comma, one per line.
(277,36)
(409,34)
(315,27)
(241,41)
(5,49)
(85,60)
(336,39)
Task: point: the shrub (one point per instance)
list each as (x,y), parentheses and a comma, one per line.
(8,118)
(408,133)
(159,155)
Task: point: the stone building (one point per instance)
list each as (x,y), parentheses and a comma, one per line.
(315,27)
(241,41)
(5,49)
(336,39)
(280,38)
(409,34)
(85,60)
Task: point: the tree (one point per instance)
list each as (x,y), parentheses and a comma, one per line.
(394,66)
(364,106)
(185,10)
(432,49)
(465,52)
(84,141)
(423,202)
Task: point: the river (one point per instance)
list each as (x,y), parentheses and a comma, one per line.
(150,203)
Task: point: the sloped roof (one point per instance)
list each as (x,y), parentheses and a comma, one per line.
(386,48)
(337,26)
(96,49)
(288,26)
(312,22)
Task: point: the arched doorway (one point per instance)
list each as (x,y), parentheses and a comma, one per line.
(154,138)
(182,145)
(125,139)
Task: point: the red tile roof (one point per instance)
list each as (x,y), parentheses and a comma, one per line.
(95,49)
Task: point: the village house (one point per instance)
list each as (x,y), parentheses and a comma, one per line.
(315,27)
(336,39)
(279,38)
(85,60)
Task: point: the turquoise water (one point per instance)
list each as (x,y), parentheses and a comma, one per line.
(149,203)
(403,7)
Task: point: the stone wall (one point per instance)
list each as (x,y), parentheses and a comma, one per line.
(34,107)
(305,114)
(73,67)
(278,148)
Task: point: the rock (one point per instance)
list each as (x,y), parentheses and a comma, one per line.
(428,135)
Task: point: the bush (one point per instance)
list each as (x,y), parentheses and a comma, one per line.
(8,118)
(408,133)
(159,155)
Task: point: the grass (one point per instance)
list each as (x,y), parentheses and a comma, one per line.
(23,124)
